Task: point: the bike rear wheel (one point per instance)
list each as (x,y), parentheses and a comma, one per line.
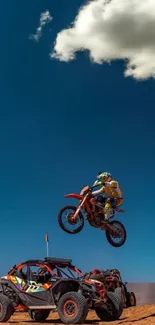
(79,224)
(111,236)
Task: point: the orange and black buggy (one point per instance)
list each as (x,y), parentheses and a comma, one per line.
(111,280)
(54,284)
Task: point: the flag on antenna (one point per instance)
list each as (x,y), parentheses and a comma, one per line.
(46,238)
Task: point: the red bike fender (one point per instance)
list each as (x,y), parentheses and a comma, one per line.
(74,196)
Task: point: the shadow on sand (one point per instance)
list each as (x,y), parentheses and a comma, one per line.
(135,320)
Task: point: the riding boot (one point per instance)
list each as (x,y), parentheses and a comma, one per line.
(107,214)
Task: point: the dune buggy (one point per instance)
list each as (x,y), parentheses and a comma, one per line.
(42,286)
(112,279)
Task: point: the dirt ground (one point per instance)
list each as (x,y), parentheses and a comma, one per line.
(140,315)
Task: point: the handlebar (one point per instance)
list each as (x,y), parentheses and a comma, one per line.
(90,189)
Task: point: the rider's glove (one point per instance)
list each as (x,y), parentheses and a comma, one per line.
(90,191)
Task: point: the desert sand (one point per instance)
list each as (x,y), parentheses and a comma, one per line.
(140,315)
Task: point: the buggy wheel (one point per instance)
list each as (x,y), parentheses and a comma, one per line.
(114,307)
(6,308)
(79,223)
(111,237)
(39,315)
(72,308)
(119,297)
(131,299)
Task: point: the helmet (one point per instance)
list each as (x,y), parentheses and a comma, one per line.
(103,175)
(115,271)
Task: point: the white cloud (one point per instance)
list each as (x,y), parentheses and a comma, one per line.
(45,18)
(110,30)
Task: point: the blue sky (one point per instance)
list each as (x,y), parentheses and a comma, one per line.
(61,123)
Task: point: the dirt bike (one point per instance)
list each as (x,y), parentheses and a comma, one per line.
(114,230)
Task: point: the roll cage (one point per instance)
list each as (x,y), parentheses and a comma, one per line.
(46,269)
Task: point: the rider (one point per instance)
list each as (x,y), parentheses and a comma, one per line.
(116,273)
(111,189)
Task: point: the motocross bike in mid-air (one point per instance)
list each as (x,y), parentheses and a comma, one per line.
(73,221)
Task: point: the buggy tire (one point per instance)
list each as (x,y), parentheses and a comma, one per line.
(108,235)
(6,308)
(130,299)
(78,303)
(119,296)
(115,304)
(62,226)
(39,315)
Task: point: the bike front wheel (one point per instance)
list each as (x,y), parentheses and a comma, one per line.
(67,223)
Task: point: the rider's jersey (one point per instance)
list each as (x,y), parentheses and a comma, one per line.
(111,189)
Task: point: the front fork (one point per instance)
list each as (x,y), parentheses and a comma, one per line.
(75,216)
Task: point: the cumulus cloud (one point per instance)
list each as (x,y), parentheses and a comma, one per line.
(45,18)
(111,30)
